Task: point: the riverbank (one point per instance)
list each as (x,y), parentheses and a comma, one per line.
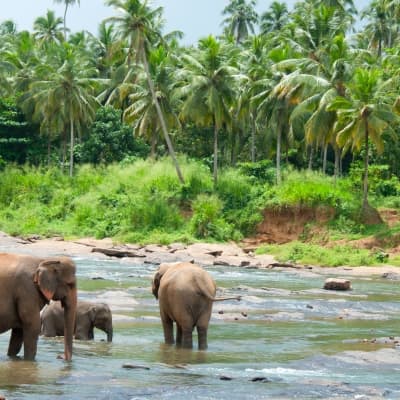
(230,255)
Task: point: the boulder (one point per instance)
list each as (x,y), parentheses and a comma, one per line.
(337,284)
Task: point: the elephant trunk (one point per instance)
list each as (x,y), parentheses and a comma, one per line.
(69,323)
(110,334)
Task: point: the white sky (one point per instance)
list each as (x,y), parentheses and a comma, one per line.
(196,18)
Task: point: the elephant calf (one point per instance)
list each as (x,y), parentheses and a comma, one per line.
(186,293)
(88,316)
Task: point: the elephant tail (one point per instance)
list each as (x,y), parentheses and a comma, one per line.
(238,298)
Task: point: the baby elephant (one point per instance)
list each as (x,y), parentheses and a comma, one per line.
(88,316)
(186,293)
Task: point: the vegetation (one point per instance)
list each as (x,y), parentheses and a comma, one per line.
(287,108)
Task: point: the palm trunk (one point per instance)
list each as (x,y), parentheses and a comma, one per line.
(253,139)
(278,156)
(310,160)
(366,162)
(215,174)
(65,21)
(324,156)
(71,150)
(161,118)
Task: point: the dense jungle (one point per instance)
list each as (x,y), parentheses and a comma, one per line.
(288,119)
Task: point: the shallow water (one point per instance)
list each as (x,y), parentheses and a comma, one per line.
(287,338)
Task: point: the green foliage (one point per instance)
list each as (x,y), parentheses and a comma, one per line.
(109,140)
(263,171)
(311,189)
(311,254)
(207,221)
(242,200)
(380,180)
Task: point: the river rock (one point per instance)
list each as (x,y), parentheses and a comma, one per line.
(337,284)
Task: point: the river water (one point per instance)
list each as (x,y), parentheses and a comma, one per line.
(287,338)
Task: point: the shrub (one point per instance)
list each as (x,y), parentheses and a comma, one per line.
(206,221)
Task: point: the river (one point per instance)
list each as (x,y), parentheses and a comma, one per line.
(287,338)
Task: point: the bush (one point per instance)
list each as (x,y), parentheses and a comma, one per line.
(304,253)
(206,221)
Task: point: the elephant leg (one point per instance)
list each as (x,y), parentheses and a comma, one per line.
(15,343)
(178,335)
(187,341)
(31,335)
(202,337)
(168,330)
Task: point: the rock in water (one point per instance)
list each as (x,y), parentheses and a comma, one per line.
(337,284)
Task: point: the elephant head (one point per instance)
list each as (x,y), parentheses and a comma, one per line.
(102,319)
(155,284)
(55,278)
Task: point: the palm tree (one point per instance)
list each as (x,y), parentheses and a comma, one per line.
(381,26)
(274,19)
(141,26)
(240,19)
(108,50)
(208,88)
(64,94)
(365,115)
(47,29)
(141,111)
(67,4)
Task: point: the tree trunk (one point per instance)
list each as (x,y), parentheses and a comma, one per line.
(278,156)
(215,170)
(71,150)
(310,160)
(324,158)
(162,120)
(65,21)
(253,138)
(366,162)
(48,150)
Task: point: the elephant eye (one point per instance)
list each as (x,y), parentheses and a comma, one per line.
(71,285)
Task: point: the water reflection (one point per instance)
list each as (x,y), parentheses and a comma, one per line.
(178,357)
(19,372)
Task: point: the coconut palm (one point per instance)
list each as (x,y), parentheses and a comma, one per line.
(47,29)
(64,94)
(141,111)
(366,115)
(207,88)
(67,4)
(141,26)
(381,28)
(241,18)
(275,18)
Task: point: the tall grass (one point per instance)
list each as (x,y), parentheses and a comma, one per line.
(144,201)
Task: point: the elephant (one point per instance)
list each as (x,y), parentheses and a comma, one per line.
(27,283)
(88,316)
(186,293)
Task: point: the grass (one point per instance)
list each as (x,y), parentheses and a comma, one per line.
(312,254)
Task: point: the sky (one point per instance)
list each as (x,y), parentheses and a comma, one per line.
(195,18)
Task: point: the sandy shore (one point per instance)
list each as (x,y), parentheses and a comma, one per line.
(230,255)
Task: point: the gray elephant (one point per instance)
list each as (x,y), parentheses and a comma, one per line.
(27,283)
(88,316)
(186,293)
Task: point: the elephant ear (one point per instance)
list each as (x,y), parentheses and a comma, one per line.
(45,278)
(156,284)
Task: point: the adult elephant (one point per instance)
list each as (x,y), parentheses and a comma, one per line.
(27,283)
(88,316)
(186,293)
